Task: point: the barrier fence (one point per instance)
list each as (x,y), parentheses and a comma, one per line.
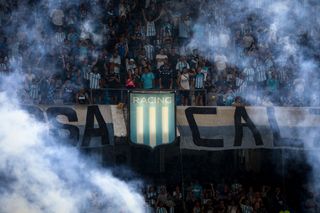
(117,95)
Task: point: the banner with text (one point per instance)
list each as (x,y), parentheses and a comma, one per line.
(152,118)
(199,128)
(221,128)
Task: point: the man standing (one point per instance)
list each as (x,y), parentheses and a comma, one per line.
(199,86)
(166,76)
(94,81)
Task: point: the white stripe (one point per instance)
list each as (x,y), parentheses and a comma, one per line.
(165,124)
(152,126)
(140,124)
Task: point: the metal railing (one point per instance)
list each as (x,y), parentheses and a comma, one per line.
(120,95)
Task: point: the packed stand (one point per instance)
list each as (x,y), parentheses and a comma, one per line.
(224,198)
(143,45)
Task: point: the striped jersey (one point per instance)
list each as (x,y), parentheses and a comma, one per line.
(34,91)
(94,80)
(199,81)
(86,72)
(149,51)
(182,64)
(151,29)
(60,37)
(261,74)
(249,73)
(241,85)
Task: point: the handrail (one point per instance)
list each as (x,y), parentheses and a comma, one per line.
(124,91)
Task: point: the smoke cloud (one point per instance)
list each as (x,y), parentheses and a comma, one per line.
(279,38)
(264,35)
(40,175)
(37,172)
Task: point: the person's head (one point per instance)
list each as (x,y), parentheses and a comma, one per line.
(82,90)
(238,99)
(151,189)
(131,61)
(163,190)
(121,38)
(146,70)
(195,51)
(67,82)
(85,61)
(173,50)
(185,70)
(95,69)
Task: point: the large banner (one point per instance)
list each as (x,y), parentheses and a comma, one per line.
(81,125)
(221,128)
(199,128)
(152,118)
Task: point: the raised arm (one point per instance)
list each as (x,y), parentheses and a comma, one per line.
(144,16)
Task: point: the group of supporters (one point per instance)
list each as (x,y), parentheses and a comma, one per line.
(94,51)
(225,198)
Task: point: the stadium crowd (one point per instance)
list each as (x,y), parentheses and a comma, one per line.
(222,198)
(225,198)
(144,45)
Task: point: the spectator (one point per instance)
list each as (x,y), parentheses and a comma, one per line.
(147,79)
(199,79)
(150,24)
(197,190)
(115,63)
(182,63)
(178,199)
(131,66)
(245,205)
(122,47)
(94,81)
(149,50)
(67,92)
(184,86)
(151,197)
(184,29)
(34,91)
(272,86)
(166,76)
(113,82)
(161,57)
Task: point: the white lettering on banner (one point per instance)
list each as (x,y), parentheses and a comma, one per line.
(152,100)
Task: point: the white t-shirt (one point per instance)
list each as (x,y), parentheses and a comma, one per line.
(184,81)
(160,60)
(116,61)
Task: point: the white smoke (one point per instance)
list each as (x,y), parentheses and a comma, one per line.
(41,176)
(37,172)
(287,29)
